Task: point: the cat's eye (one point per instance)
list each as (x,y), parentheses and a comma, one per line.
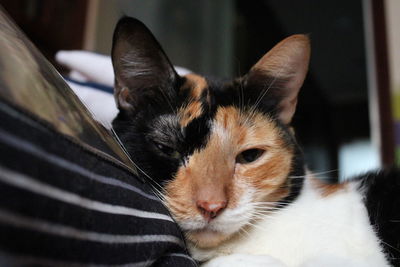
(249,155)
(167,150)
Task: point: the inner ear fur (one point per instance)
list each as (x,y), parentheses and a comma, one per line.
(282,71)
(142,69)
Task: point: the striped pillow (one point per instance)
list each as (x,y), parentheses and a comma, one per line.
(64,205)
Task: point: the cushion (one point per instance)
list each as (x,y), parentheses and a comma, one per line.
(63,204)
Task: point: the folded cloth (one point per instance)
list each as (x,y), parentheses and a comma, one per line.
(92,67)
(64,204)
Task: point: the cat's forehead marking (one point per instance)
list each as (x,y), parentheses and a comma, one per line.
(197,85)
(248,128)
(190,112)
(197,88)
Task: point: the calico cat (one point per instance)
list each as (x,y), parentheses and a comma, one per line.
(232,173)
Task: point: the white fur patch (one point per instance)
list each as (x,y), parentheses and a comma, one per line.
(310,231)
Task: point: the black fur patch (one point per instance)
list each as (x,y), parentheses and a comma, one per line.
(157,122)
(382,199)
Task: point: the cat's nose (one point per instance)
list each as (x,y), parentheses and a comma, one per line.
(210,210)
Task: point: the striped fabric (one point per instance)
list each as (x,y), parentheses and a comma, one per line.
(64,205)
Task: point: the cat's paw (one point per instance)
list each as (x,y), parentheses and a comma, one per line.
(240,260)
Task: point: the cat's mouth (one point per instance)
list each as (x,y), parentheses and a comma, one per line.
(209,234)
(206,237)
(210,231)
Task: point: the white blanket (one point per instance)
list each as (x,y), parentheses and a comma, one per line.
(88,68)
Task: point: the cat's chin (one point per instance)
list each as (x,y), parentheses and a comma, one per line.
(206,238)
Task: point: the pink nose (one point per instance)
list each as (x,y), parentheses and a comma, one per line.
(210,210)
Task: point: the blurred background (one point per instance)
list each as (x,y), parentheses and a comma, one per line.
(348,118)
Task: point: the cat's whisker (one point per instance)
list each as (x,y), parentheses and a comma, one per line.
(302,178)
(168,100)
(260,217)
(265,212)
(315,174)
(270,202)
(241,92)
(267,206)
(266,90)
(264,203)
(249,114)
(156,186)
(390,245)
(254,225)
(160,194)
(244,231)
(276,206)
(325,172)
(266,209)
(274,203)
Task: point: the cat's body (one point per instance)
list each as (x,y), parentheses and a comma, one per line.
(232,171)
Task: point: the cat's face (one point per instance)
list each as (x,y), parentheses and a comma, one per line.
(223,150)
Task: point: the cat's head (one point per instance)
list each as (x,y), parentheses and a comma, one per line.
(223,150)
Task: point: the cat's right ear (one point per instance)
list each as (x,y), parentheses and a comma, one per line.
(142,70)
(280,73)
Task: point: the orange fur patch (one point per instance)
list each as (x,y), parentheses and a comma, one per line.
(327,189)
(189,113)
(197,83)
(193,109)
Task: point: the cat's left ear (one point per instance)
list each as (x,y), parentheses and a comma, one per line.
(282,72)
(143,72)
